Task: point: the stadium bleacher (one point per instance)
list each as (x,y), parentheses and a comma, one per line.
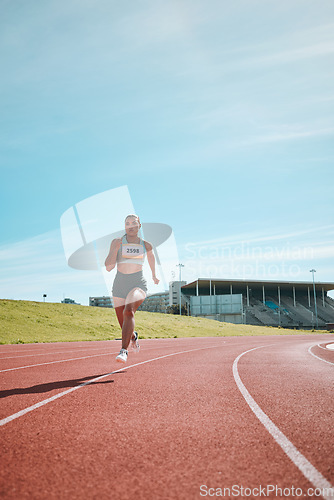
(289,314)
(285,304)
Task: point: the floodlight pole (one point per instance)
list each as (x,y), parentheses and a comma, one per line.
(179,266)
(315,298)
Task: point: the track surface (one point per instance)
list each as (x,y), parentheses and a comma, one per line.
(171,423)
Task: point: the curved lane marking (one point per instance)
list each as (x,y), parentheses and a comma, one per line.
(306,468)
(6,420)
(318,357)
(330,347)
(321,346)
(327,346)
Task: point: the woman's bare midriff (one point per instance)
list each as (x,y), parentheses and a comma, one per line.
(129,268)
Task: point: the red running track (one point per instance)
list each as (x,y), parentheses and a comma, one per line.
(243,417)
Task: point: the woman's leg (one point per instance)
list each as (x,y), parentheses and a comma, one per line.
(133,300)
(119,304)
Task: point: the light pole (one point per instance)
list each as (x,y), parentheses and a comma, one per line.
(179,266)
(315,298)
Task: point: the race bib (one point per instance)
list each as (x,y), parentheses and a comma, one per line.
(132,251)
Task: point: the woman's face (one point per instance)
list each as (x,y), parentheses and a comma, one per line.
(132,226)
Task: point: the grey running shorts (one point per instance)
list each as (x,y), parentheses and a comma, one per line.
(124,283)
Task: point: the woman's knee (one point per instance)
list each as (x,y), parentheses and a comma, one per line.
(129,310)
(136,295)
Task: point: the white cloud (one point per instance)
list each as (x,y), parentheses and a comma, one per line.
(292,55)
(35,266)
(260,237)
(287,255)
(160,22)
(288,135)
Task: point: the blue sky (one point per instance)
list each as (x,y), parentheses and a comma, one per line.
(217,115)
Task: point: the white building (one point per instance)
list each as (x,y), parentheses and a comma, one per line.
(174,293)
(101,301)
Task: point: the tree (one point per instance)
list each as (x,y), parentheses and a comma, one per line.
(175,309)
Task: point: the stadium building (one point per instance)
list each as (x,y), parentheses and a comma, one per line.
(105,301)
(157,302)
(288,304)
(67,300)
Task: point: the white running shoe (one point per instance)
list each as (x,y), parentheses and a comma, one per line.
(134,342)
(123,356)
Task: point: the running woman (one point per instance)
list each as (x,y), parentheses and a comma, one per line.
(130,287)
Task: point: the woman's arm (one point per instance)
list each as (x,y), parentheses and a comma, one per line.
(151,260)
(110,261)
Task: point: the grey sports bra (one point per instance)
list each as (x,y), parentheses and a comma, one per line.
(131,253)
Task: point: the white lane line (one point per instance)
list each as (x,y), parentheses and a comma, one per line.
(50,353)
(90,348)
(71,359)
(306,468)
(96,379)
(330,347)
(318,357)
(49,344)
(59,361)
(322,347)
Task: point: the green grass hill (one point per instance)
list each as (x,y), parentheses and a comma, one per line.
(23,322)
